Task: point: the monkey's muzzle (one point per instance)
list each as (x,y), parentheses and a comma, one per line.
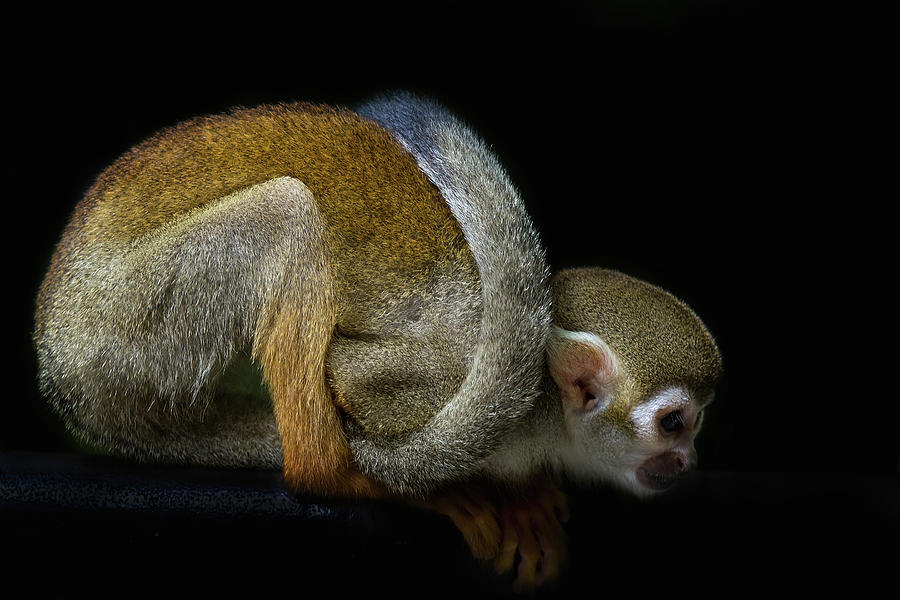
(662,471)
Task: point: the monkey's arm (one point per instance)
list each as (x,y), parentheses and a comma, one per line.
(291,342)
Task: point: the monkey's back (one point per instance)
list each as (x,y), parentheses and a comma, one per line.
(404,277)
(380,210)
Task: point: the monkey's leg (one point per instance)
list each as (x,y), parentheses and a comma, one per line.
(134,335)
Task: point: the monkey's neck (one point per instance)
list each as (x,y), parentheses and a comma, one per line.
(537,445)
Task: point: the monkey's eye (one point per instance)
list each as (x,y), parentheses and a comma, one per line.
(672,422)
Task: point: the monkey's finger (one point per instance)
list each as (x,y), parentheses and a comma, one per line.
(529,553)
(507,555)
(486,533)
(551,524)
(560,503)
(555,502)
(551,538)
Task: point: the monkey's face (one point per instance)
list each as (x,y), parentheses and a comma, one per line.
(634,367)
(642,444)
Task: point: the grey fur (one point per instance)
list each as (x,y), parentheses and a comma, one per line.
(503,381)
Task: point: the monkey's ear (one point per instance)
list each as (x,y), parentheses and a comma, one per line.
(583,366)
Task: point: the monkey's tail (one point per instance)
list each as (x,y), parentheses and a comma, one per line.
(506,371)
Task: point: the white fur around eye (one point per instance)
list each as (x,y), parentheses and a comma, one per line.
(644,416)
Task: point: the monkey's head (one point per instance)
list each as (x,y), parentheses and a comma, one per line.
(635,367)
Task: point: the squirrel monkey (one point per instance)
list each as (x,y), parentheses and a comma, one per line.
(378,268)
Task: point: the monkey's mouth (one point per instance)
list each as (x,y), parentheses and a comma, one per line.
(656,481)
(662,471)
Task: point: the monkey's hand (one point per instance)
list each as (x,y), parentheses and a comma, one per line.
(532,529)
(502,527)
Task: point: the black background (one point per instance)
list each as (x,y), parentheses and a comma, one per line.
(726,151)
